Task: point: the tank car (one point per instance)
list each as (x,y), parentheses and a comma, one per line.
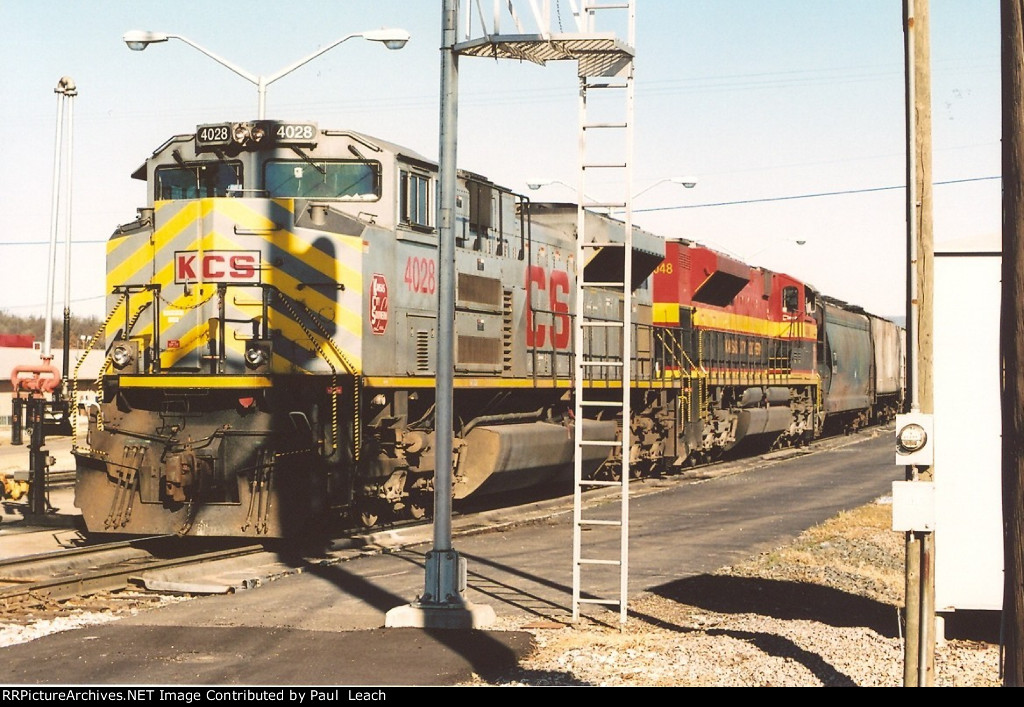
(272,336)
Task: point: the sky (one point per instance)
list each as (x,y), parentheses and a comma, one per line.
(789,114)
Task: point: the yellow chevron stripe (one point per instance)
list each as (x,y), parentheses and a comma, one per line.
(192,340)
(115,244)
(134,262)
(333,269)
(346,319)
(128,270)
(238,211)
(291,331)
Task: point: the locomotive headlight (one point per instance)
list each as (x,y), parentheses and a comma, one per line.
(256,356)
(911,438)
(240,132)
(122,355)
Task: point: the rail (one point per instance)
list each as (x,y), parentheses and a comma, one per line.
(64,574)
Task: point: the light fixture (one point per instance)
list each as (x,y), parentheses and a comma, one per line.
(687,182)
(137,39)
(390,37)
(122,355)
(537,182)
(256,356)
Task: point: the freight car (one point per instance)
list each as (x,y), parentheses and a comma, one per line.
(272,338)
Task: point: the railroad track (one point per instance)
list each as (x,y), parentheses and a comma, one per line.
(110,567)
(69,573)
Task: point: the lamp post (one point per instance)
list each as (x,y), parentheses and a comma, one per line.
(538,182)
(138,40)
(688,182)
(794,241)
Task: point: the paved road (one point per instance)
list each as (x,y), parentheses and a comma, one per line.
(323,626)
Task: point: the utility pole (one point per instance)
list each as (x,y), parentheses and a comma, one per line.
(919,658)
(1011,342)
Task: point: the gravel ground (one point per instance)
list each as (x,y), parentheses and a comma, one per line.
(822,611)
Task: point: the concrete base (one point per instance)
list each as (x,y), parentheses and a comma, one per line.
(445,576)
(463,615)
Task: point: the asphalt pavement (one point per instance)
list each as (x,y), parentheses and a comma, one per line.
(322,621)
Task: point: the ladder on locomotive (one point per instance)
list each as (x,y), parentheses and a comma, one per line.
(605,65)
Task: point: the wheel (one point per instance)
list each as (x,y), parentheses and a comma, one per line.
(418,506)
(369,515)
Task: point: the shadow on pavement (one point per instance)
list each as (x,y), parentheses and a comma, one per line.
(782,600)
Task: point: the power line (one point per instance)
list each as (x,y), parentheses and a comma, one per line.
(10,307)
(74,243)
(684,206)
(804,196)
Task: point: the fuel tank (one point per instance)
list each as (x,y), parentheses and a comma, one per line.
(499,458)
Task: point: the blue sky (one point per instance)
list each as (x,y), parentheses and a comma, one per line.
(765,101)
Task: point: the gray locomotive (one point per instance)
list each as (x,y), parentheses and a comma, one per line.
(272,338)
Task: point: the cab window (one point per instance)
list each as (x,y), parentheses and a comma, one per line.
(415,199)
(198,180)
(790,299)
(349,180)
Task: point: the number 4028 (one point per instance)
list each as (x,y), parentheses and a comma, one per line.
(421,275)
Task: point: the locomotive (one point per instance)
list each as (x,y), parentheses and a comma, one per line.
(272,337)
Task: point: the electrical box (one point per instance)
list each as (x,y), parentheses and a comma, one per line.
(968,426)
(915,439)
(913,506)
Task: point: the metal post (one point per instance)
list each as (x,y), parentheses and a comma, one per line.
(17,416)
(443,604)
(446,294)
(37,457)
(54,211)
(69,92)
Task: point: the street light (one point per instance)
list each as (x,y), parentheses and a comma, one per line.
(688,182)
(138,40)
(783,241)
(537,182)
